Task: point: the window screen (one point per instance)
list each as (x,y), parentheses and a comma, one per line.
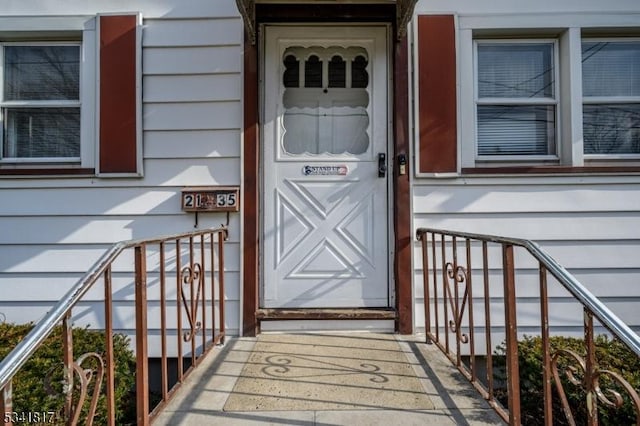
(611,90)
(41,101)
(516,99)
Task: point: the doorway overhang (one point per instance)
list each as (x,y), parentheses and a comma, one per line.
(404,12)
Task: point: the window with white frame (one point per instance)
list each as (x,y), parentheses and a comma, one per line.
(516,99)
(40,102)
(611,97)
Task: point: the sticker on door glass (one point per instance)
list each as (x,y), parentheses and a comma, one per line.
(341,170)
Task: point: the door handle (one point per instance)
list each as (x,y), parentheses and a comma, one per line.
(382,165)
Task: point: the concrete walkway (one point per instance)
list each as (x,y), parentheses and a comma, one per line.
(327,379)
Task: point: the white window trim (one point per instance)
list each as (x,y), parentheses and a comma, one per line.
(50,30)
(599,100)
(557,140)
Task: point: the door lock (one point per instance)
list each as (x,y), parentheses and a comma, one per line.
(402,164)
(382,165)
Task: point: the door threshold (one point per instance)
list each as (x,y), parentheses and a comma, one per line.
(279,314)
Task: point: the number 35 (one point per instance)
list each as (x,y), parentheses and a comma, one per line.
(226,200)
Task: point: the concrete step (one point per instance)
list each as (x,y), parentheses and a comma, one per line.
(327,379)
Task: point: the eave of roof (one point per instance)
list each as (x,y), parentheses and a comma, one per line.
(404,12)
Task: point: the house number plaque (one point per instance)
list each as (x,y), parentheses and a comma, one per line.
(211,199)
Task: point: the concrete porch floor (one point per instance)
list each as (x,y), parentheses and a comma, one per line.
(327,379)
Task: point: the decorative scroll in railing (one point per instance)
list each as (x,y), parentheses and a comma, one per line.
(505,327)
(183,274)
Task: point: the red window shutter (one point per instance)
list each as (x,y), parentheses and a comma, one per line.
(437,94)
(118,93)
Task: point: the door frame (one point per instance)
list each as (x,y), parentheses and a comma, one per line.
(400,201)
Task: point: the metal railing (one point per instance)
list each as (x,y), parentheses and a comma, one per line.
(184,315)
(480,306)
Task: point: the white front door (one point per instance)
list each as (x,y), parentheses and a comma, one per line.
(325,221)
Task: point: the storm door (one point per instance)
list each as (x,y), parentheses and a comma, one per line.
(325,241)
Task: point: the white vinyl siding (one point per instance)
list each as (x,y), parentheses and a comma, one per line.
(611,90)
(589,225)
(52,230)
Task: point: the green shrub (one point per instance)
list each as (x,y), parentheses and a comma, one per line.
(33,393)
(610,355)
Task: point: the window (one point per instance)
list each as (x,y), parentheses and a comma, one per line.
(516,100)
(538,96)
(41,102)
(611,91)
(326,111)
(70,95)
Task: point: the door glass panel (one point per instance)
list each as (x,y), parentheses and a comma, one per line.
(313,72)
(360,77)
(328,112)
(291,76)
(337,70)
